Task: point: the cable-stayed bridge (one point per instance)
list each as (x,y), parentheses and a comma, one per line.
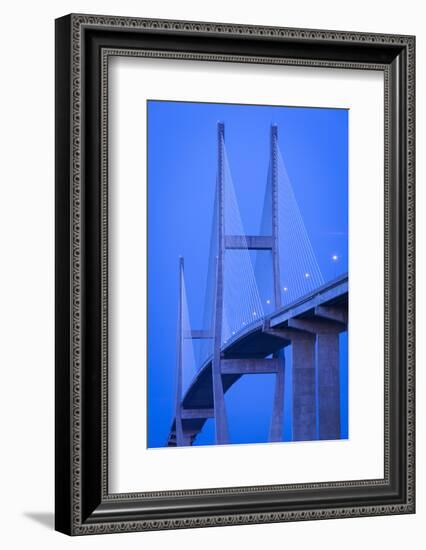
(264,292)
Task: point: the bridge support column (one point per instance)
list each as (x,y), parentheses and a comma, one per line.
(304,408)
(328,385)
(304,379)
(221,423)
(186,440)
(180,438)
(328,365)
(276,427)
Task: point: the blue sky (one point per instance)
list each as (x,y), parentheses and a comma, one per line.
(182,160)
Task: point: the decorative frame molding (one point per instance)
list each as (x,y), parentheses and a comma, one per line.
(84,44)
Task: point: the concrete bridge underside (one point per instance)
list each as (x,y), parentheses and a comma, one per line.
(311,325)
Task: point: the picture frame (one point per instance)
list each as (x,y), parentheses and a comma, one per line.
(84,504)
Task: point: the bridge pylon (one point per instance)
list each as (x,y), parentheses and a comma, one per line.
(182,438)
(245,242)
(277,420)
(220,417)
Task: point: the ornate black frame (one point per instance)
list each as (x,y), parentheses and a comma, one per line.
(83,45)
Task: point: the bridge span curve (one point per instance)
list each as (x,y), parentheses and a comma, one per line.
(312,325)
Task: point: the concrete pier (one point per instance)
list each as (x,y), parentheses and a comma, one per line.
(328,385)
(326,331)
(304,402)
(277,419)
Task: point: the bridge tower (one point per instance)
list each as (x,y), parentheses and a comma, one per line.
(180,438)
(277,420)
(245,242)
(221,422)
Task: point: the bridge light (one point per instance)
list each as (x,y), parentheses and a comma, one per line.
(307,275)
(335,257)
(268,301)
(285,289)
(254,314)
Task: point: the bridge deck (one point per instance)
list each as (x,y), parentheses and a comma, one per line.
(255,342)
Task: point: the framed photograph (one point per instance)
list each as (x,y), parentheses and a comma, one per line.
(234,274)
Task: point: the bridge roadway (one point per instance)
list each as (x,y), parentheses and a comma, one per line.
(325,309)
